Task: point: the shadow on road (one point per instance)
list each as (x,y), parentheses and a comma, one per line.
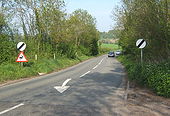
(96,94)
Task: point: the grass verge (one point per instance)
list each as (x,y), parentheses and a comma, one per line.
(15,71)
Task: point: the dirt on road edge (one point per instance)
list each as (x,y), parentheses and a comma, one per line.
(140,101)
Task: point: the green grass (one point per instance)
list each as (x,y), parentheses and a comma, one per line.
(16,71)
(105,48)
(112,47)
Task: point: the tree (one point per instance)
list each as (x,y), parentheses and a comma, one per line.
(47,29)
(146,19)
(6,38)
(83,31)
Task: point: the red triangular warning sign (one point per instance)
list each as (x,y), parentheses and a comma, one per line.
(21,57)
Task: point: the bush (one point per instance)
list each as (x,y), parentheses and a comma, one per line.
(7,50)
(155,76)
(159,78)
(83,51)
(68,50)
(94,47)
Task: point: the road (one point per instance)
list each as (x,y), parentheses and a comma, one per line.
(91,88)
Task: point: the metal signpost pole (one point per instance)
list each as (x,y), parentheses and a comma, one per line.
(141,43)
(22,64)
(141,56)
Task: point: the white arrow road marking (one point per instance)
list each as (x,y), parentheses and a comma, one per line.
(63,88)
(11,108)
(65,82)
(85,74)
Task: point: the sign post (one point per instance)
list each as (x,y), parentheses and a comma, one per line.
(54,56)
(36,57)
(21,57)
(141,56)
(141,43)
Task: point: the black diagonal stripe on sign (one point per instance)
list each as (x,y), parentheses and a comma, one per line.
(141,43)
(21,46)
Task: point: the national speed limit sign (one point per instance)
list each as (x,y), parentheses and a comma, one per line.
(141,43)
(21,46)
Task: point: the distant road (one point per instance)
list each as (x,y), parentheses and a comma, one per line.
(91,88)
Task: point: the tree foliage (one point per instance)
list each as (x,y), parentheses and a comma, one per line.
(147,19)
(150,20)
(111,34)
(46,28)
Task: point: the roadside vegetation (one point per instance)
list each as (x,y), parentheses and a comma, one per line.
(152,75)
(108,41)
(105,48)
(149,20)
(14,71)
(57,38)
(111,46)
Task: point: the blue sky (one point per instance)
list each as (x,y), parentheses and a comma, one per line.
(100,9)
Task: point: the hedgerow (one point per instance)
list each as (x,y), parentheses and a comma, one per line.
(153,75)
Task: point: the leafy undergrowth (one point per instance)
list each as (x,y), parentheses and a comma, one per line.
(152,75)
(16,71)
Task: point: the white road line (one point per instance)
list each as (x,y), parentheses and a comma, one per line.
(95,66)
(85,74)
(100,61)
(98,64)
(11,108)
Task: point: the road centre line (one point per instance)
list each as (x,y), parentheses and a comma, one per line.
(95,66)
(12,108)
(100,61)
(98,64)
(85,73)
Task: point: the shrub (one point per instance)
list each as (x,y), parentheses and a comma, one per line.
(155,76)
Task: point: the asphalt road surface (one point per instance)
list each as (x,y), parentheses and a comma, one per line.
(91,88)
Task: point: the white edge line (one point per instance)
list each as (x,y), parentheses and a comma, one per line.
(12,108)
(85,73)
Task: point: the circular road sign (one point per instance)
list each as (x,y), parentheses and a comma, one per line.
(21,46)
(140,43)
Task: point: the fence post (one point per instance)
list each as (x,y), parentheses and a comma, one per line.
(36,57)
(54,56)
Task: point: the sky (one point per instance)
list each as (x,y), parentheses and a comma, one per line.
(100,9)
